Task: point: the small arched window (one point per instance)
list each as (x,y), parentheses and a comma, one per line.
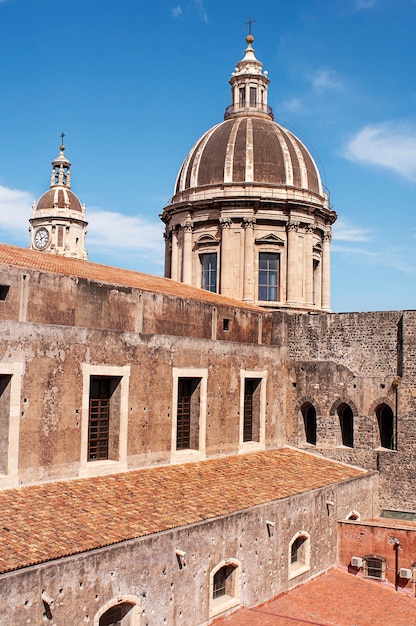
(121,611)
(385,419)
(224,586)
(309,422)
(346,422)
(299,554)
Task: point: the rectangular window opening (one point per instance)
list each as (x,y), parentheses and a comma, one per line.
(188,412)
(104,418)
(268,276)
(5,387)
(209,271)
(253,96)
(251,420)
(4,292)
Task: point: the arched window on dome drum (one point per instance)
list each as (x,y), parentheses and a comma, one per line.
(269,276)
(385,419)
(209,271)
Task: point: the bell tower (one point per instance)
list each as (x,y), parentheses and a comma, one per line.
(58,224)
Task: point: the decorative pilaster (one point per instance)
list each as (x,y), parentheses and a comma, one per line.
(248,281)
(326,271)
(309,265)
(292,262)
(226,257)
(187,252)
(174,274)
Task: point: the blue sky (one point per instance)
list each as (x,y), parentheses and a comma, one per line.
(134,84)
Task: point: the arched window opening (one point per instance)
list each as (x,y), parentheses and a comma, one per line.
(223,582)
(118,615)
(346,422)
(299,554)
(353,515)
(309,421)
(385,419)
(224,586)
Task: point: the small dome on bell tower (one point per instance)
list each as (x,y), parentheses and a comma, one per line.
(58,223)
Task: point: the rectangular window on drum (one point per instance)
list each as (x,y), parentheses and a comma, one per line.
(268,276)
(209,271)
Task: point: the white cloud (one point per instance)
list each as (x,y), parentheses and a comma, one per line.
(326,80)
(176,11)
(15,210)
(124,234)
(390,145)
(200,8)
(293,105)
(342,231)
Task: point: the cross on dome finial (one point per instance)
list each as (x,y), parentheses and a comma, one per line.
(62,147)
(250,38)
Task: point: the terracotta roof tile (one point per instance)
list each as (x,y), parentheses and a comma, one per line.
(54,263)
(43,522)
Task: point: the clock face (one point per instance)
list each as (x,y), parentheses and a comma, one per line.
(41,238)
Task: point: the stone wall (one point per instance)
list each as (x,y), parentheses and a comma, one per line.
(171,590)
(364,360)
(52,394)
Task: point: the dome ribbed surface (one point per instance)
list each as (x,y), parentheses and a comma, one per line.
(249,150)
(59,198)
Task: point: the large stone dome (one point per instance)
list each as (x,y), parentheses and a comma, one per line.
(249,217)
(252,151)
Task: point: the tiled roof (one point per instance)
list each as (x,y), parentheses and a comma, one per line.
(54,263)
(336,598)
(48,521)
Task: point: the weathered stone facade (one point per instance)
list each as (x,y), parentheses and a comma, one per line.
(147,573)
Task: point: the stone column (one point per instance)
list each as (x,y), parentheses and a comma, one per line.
(309,265)
(168,255)
(187,252)
(248,282)
(326,271)
(226,262)
(292,261)
(174,268)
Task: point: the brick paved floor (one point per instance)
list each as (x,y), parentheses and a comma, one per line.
(336,598)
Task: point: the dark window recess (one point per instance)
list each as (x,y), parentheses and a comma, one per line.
(187,415)
(242,96)
(4,292)
(115,614)
(309,422)
(253,96)
(385,419)
(209,271)
(223,582)
(251,420)
(225,324)
(346,422)
(374,567)
(268,276)
(104,418)
(297,551)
